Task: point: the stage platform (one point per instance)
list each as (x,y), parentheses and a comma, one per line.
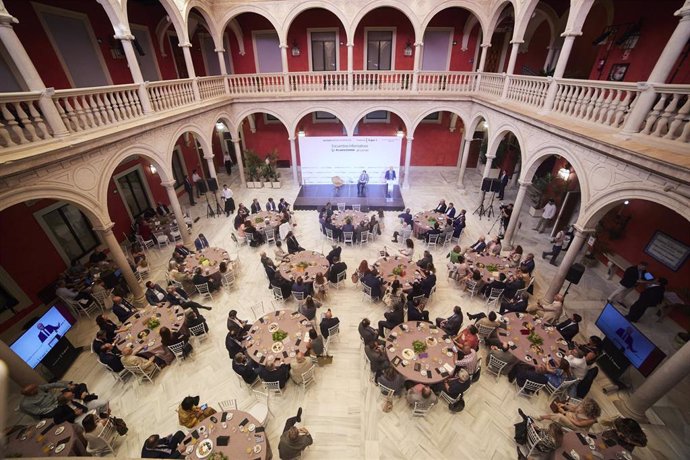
(315,196)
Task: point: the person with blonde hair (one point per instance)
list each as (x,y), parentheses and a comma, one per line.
(576,417)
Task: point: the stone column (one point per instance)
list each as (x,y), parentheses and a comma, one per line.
(517,206)
(118,256)
(223,68)
(29,74)
(408,158)
(177,211)
(465,152)
(18,370)
(667,59)
(510,70)
(284,62)
(186,50)
(417,64)
(240,163)
(568,40)
(571,254)
(482,58)
(350,66)
(549,57)
(487,166)
(211,165)
(293,159)
(657,385)
(137,77)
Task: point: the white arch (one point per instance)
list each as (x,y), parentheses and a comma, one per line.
(209,21)
(400,6)
(541,14)
(233,12)
(502,10)
(495,140)
(191,128)
(599,206)
(401,115)
(475,16)
(239,118)
(307,111)
(228,120)
(174,14)
(312,4)
(416,122)
(115,14)
(467,31)
(532,161)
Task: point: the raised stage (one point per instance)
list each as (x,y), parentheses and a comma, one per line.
(315,196)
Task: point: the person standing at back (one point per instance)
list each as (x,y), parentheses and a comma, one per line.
(547,216)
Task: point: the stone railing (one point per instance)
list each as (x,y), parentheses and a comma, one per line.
(670,115)
(210,87)
(601,102)
(82,109)
(170,94)
(31,117)
(527,90)
(22,121)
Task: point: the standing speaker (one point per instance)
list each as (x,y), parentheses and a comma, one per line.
(201,185)
(575,273)
(212,184)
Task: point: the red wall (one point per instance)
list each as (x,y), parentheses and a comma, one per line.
(536,54)
(267,138)
(646,219)
(314,18)
(386,17)
(583,54)
(435,145)
(248,22)
(460,61)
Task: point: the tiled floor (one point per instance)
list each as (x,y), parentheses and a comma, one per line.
(343,409)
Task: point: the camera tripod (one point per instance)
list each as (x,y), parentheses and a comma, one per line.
(487,211)
(209,210)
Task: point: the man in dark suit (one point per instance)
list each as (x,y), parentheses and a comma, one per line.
(366,332)
(189,190)
(334,254)
(233,344)
(178,296)
(199,278)
(157,447)
(235,323)
(154,293)
(436,230)
(348,227)
(450,211)
(527,264)
(570,327)
(245,368)
(109,358)
(503,179)
(180,253)
(162,209)
(122,309)
(652,296)
(271,373)
(512,286)
(406,217)
(453,323)
(337,268)
(328,321)
(479,246)
(516,305)
(393,318)
(415,311)
(459,224)
(500,283)
(271,205)
(441,207)
(372,280)
(632,276)
(201,242)
(377,357)
(255,206)
(429,282)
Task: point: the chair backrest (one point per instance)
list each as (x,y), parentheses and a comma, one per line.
(341,276)
(177,349)
(356,207)
(484,331)
(228,278)
(448,398)
(533,437)
(562,389)
(202,288)
(367,290)
(329,233)
(530,387)
(161,237)
(273,387)
(257,309)
(277,293)
(496,365)
(298,295)
(341,207)
(228,405)
(309,377)
(348,237)
(419,298)
(334,330)
(364,237)
(420,409)
(495,293)
(199,330)
(270,234)
(471,286)
(433,239)
(387,392)
(374,231)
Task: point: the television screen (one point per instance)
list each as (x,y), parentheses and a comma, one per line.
(41,337)
(636,347)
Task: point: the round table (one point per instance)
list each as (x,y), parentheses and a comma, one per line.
(424,221)
(36,440)
(260,344)
(339,217)
(170,317)
(437,361)
(236,428)
(573,440)
(410,270)
(258,220)
(306,264)
(522,348)
(501,264)
(214,255)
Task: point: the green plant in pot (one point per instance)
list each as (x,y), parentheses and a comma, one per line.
(253,165)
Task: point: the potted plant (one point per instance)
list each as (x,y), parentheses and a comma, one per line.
(252,169)
(275,180)
(536,194)
(266,174)
(270,171)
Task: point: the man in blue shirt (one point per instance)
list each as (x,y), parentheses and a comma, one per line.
(362,183)
(390,181)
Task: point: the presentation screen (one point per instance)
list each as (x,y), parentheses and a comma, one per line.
(346,157)
(40,338)
(636,347)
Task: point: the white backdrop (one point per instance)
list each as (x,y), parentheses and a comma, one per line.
(325,157)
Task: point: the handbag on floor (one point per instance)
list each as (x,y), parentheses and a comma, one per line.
(120,426)
(324,360)
(457,406)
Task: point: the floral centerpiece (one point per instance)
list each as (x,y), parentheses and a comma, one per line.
(217,456)
(418,346)
(279,335)
(399,271)
(535,339)
(492,267)
(258,220)
(153,323)
(432,221)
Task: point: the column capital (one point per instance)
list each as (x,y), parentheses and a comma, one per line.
(419,44)
(582,231)
(6,19)
(208,157)
(219,50)
(168,183)
(105,228)
(185,45)
(571,33)
(124,36)
(485,45)
(235,141)
(517,42)
(350,45)
(292,138)
(524,183)
(282,45)
(410,139)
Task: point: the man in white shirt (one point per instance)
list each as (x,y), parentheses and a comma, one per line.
(578,364)
(196,178)
(226,196)
(468,360)
(284,229)
(547,216)
(556,248)
(227,160)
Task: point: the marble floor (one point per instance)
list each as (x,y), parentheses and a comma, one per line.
(343,410)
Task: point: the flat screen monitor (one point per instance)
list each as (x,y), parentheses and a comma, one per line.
(637,348)
(41,337)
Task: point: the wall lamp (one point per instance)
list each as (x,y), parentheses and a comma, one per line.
(408,48)
(300,133)
(220,126)
(400,132)
(295,49)
(153,169)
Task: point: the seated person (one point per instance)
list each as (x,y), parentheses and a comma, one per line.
(494,247)
(391,378)
(292,243)
(570,327)
(421,394)
(155,295)
(233,343)
(502,353)
(468,359)
(527,264)
(180,253)
(334,254)
(328,321)
(515,305)
(592,349)
(415,310)
(195,319)
(235,323)
(435,230)
(499,284)
(394,295)
(315,345)
(83,297)
(625,432)
(372,280)
(550,312)
(299,367)
(178,296)
(109,327)
(40,401)
(348,227)
(550,438)
(69,409)
(110,356)
(392,319)
(453,323)
(429,282)
(189,413)
(294,440)
(575,417)
(367,333)
(479,246)
(467,336)
(93,426)
(199,278)
(280,282)
(147,364)
(169,338)
(378,360)
(272,373)
(309,307)
(457,384)
(542,373)
(157,447)
(426,260)
(513,284)
(337,268)
(100,340)
(279,253)
(300,286)
(245,368)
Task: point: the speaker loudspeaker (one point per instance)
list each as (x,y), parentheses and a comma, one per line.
(575,273)
(212,184)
